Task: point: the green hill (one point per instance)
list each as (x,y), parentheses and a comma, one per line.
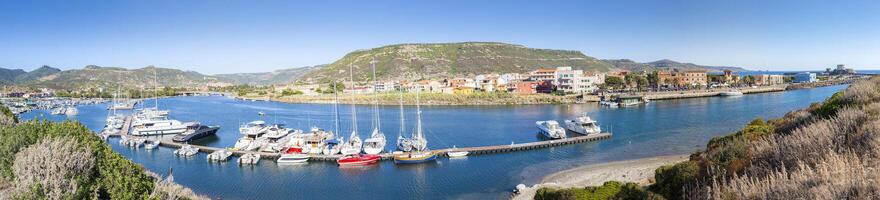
(7,76)
(414,61)
(36,74)
(107,77)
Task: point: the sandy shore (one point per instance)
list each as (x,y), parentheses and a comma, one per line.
(639,171)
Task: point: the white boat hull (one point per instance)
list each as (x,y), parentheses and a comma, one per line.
(457,154)
(551,132)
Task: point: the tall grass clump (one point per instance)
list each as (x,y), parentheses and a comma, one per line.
(830,150)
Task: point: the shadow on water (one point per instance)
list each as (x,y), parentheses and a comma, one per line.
(418,166)
(357,169)
(205,140)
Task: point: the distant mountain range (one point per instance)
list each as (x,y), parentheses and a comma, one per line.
(13,76)
(266,78)
(402,61)
(105,77)
(666,64)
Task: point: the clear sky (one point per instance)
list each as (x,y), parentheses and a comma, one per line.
(217,36)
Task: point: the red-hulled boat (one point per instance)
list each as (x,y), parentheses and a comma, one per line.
(293,150)
(358,159)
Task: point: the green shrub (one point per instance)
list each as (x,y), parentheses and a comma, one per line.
(671,179)
(830,106)
(608,190)
(116,177)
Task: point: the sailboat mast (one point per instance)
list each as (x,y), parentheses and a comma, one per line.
(402,124)
(156,86)
(336,107)
(353,109)
(378,124)
(418,116)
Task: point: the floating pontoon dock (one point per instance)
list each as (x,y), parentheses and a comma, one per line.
(473,151)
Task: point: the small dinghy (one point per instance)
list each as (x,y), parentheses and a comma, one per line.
(151,145)
(186,150)
(249,159)
(455,153)
(220,156)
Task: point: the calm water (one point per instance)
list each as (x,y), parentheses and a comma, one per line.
(660,128)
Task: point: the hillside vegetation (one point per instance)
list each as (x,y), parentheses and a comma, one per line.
(830,150)
(14,76)
(48,160)
(92,77)
(393,62)
(414,61)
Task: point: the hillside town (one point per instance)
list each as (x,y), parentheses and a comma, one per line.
(566,80)
(551,81)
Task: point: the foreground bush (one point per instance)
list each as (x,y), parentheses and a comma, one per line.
(110,176)
(55,168)
(609,190)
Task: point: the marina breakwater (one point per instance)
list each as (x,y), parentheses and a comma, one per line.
(479,150)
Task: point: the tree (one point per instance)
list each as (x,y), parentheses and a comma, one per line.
(614,82)
(287,92)
(654,78)
(642,82)
(749,80)
(339,87)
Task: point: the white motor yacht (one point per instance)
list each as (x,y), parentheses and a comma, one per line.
(583,125)
(250,132)
(274,139)
(551,129)
(70,111)
(158,127)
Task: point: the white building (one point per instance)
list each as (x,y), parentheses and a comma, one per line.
(386,86)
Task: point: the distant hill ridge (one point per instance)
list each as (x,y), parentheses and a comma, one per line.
(93,76)
(13,76)
(408,61)
(430,60)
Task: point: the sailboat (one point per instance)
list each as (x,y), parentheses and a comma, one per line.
(353,145)
(154,121)
(376,143)
(332,146)
(420,152)
(403,143)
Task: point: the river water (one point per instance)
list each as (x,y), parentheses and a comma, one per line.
(660,128)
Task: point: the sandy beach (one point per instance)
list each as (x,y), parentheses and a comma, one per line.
(638,170)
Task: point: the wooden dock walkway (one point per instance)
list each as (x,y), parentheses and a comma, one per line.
(473,151)
(126,126)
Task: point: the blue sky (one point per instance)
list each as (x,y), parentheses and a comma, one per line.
(216,36)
